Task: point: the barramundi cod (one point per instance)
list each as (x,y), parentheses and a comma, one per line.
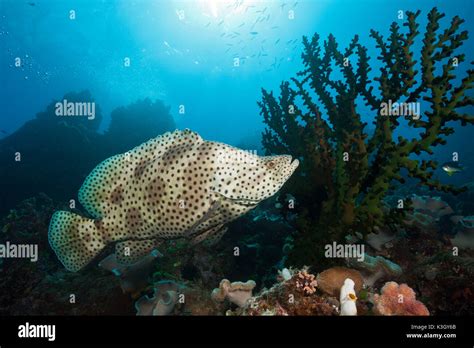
(176,185)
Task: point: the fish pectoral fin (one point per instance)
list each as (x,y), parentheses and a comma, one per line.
(211,236)
(131,251)
(215,237)
(192,230)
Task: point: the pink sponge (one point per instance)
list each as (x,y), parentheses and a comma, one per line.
(398,300)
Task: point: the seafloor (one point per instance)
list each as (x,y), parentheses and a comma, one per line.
(424,252)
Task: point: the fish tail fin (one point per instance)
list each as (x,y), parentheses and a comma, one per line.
(76,240)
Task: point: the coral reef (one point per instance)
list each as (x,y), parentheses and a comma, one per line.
(261,237)
(134,277)
(439,272)
(306,282)
(464,229)
(375,268)
(236,292)
(164,298)
(288,297)
(441,278)
(398,300)
(346,189)
(427,212)
(345,172)
(49,289)
(380,239)
(331,280)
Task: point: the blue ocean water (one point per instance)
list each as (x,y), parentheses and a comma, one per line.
(182,52)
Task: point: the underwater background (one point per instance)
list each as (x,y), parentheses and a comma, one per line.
(155,66)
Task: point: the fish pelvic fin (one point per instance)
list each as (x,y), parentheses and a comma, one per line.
(210,237)
(76,240)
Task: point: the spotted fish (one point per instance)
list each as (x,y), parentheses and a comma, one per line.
(174,186)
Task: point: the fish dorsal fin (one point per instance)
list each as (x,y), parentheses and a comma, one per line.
(156,147)
(103,185)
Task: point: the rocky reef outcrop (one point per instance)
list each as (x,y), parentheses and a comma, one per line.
(54,153)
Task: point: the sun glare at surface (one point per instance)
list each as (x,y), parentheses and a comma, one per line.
(220,8)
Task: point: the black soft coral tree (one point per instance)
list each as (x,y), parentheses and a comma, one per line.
(345,173)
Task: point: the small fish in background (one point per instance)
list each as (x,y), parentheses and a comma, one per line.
(452,167)
(253,32)
(220,23)
(240,26)
(3,131)
(208,24)
(31,4)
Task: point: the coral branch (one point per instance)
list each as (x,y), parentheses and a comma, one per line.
(346,172)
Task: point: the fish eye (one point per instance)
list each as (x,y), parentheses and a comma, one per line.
(270,164)
(352,297)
